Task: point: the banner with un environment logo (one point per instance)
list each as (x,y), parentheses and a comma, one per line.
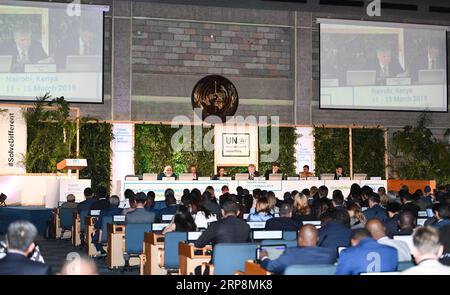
(235,145)
(13,137)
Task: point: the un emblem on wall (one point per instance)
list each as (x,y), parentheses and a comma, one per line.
(215,95)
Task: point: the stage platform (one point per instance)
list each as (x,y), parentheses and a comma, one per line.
(38,215)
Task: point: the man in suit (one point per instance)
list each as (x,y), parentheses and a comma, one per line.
(112,210)
(194,172)
(338,200)
(378,232)
(426,251)
(252,173)
(220,173)
(171,203)
(384,64)
(82,41)
(70,203)
(336,232)
(102,199)
(408,203)
(375,210)
(391,223)
(275,170)
(285,221)
(366,255)
(406,223)
(89,200)
(20,243)
(441,215)
(23,49)
(338,172)
(168,172)
(432,59)
(140,214)
(229,229)
(307,253)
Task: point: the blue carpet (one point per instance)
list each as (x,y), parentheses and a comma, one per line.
(38,215)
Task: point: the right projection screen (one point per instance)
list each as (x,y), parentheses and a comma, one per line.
(382,66)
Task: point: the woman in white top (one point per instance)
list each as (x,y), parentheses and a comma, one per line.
(202,215)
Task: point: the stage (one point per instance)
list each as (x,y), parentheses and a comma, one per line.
(38,215)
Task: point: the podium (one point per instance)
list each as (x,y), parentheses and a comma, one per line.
(71,164)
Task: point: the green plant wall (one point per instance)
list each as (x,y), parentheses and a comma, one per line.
(331,148)
(51,137)
(418,154)
(368,152)
(95,146)
(153,151)
(286,151)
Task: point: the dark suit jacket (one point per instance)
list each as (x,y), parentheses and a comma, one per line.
(333,235)
(17,264)
(270,171)
(394,68)
(161,175)
(283,223)
(422,64)
(100,204)
(216,176)
(300,256)
(411,207)
(227,230)
(35,52)
(140,215)
(391,225)
(376,212)
(249,176)
(336,177)
(71,46)
(85,205)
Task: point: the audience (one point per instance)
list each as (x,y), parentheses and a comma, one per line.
(101,199)
(375,210)
(79,266)
(70,203)
(261,211)
(285,222)
(112,210)
(408,203)
(406,223)
(378,233)
(426,251)
(335,231)
(171,203)
(393,210)
(229,229)
(301,210)
(182,221)
(338,200)
(366,255)
(130,196)
(307,253)
(203,216)
(20,242)
(441,215)
(357,218)
(89,200)
(444,237)
(140,214)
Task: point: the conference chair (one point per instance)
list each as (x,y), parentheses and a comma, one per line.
(134,245)
(230,258)
(170,252)
(103,234)
(318,269)
(83,215)
(65,219)
(288,243)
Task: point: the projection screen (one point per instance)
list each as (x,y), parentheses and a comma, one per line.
(54,48)
(382,66)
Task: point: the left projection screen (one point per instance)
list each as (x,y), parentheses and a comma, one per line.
(51,48)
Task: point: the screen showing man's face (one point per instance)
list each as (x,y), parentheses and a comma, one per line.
(384,57)
(23,40)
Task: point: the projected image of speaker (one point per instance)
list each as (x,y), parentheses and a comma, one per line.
(5,63)
(83,63)
(361,78)
(432,77)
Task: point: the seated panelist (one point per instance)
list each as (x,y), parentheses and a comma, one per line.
(305,173)
(194,172)
(275,170)
(168,172)
(252,173)
(220,173)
